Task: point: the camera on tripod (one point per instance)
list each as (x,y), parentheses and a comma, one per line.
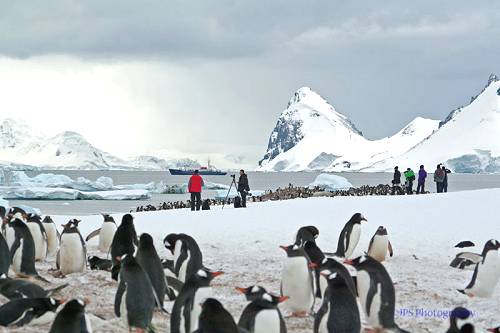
(233,176)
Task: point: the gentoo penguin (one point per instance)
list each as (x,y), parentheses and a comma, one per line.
(97,263)
(349,236)
(466,260)
(376,293)
(22,251)
(339,310)
(4,256)
(52,235)
(72,319)
(39,236)
(106,233)
(20,312)
(333,265)
(379,245)
(150,262)
(7,229)
(187,305)
(135,298)
(486,273)
(72,254)
(306,234)
(124,240)
(316,256)
(215,319)
(297,281)
(460,321)
(262,315)
(16,288)
(188,258)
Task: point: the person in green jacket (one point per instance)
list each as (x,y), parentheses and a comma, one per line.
(410,178)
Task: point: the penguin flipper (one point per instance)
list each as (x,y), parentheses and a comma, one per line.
(52,291)
(176,284)
(118,297)
(93,234)
(41,278)
(26,319)
(391,253)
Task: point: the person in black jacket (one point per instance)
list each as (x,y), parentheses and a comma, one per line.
(243,187)
(396,181)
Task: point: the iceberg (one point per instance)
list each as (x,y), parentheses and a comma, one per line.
(19,178)
(331,182)
(49,193)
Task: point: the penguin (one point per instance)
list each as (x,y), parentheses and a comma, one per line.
(4,256)
(72,254)
(376,293)
(333,266)
(7,229)
(106,233)
(339,310)
(297,281)
(306,234)
(460,321)
(20,312)
(97,263)
(72,318)
(215,319)
(379,245)
(150,262)
(316,256)
(124,240)
(466,260)
(486,273)
(17,288)
(135,298)
(262,314)
(349,236)
(39,236)
(188,258)
(52,236)
(22,251)
(187,305)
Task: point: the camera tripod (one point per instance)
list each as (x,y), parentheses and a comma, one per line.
(229,191)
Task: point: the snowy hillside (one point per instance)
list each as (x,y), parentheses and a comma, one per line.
(467,141)
(311,135)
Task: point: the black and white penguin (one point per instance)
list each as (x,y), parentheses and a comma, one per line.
(20,312)
(4,256)
(262,314)
(52,236)
(486,273)
(376,293)
(135,298)
(72,319)
(339,310)
(188,258)
(17,288)
(466,260)
(7,229)
(72,254)
(22,251)
(380,245)
(316,256)
(460,321)
(297,281)
(333,265)
(349,236)
(124,240)
(150,262)
(215,319)
(39,236)
(306,234)
(106,233)
(187,305)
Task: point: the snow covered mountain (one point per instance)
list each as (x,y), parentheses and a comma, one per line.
(311,135)
(467,141)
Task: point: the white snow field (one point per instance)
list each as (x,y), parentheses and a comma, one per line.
(244,244)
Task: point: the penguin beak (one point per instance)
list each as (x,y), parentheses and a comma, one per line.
(119,259)
(241,290)
(283,247)
(492,330)
(216,274)
(283,298)
(86,301)
(313,265)
(348,262)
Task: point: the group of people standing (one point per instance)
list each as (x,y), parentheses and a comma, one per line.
(440,178)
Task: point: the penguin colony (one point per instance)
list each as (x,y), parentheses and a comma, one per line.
(339,292)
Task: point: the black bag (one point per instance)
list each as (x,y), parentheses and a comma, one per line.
(237,202)
(205,205)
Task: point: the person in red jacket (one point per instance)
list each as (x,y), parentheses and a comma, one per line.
(194,187)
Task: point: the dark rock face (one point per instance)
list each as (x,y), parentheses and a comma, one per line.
(286,134)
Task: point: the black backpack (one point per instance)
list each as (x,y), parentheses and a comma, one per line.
(205,205)
(237,202)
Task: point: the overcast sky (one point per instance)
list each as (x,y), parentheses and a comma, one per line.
(213,76)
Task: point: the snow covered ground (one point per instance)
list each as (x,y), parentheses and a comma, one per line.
(244,243)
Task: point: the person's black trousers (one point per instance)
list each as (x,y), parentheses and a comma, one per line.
(439,187)
(195,200)
(445,187)
(243,198)
(420,187)
(409,189)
